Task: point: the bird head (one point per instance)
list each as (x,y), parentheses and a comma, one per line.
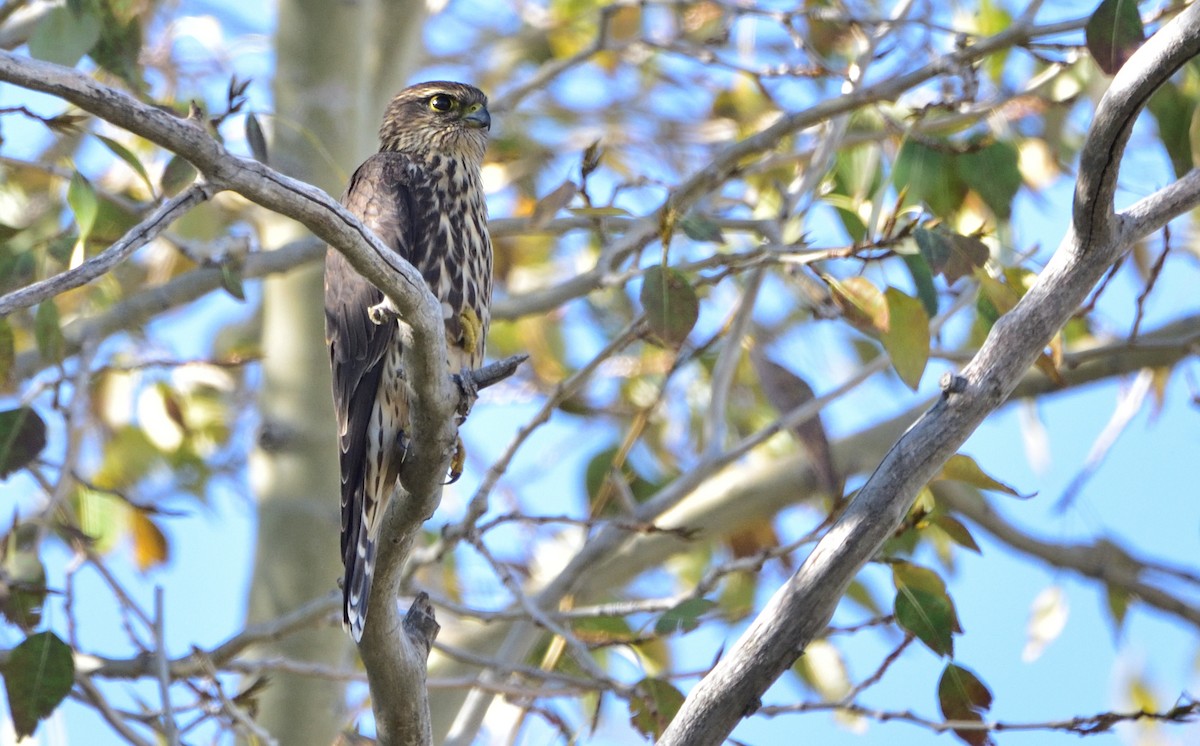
(437,117)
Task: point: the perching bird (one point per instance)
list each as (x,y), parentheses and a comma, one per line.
(422,194)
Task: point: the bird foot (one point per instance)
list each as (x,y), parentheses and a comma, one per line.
(457,461)
(469,389)
(382,313)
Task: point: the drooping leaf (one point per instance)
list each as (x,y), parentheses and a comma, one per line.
(547,207)
(48,332)
(1113,33)
(256,139)
(63,36)
(963,697)
(22,438)
(928,616)
(907,337)
(23,577)
(957,532)
(923,607)
(683,617)
(861,303)
(654,705)
(150,547)
(671,305)
(177,176)
(8,350)
(231,278)
(922,277)
(82,199)
(963,468)
(992,172)
(1173,112)
(127,155)
(39,674)
(786,392)
(1117,599)
(949,254)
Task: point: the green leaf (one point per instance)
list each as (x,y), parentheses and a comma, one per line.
(1118,606)
(600,469)
(48,332)
(962,696)
(907,337)
(922,276)
(923,607)
(63,36)
(127,155)
(963,468)
(653,706)
(602,630)
(700,228)
(82,199)
(1173,111)
(928,616)
(24,577)
(683,617)
(671,305)
(929,176)
(1113,33)
(178,175)
(38,676)
(8,350)
(120,42)
(231,279)
(951,255)
(22,438)
(992,172)
(256,138)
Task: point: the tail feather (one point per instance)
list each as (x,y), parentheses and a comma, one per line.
(356,589)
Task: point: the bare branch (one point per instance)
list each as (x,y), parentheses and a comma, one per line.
(803,606)
(105,261)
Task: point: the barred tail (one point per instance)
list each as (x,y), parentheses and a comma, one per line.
(356,587)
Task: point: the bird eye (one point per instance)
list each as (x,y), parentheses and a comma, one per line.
(441,102)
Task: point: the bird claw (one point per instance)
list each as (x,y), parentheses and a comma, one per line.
(382,313)
(457,461)
(469,390)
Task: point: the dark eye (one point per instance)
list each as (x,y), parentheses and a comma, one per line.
(441,102)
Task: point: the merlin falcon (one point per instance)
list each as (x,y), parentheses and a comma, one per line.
(422,195)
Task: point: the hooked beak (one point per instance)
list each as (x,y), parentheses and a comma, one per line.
(479,119)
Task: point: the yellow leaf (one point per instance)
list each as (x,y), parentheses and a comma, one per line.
(150,547)
(960,468)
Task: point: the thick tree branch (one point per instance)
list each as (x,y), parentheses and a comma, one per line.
(803,606)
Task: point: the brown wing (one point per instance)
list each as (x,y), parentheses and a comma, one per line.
(380,195)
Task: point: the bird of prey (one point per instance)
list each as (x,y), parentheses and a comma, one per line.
(422,195)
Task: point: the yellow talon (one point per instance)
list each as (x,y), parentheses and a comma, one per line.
(457,461)
(472,329)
